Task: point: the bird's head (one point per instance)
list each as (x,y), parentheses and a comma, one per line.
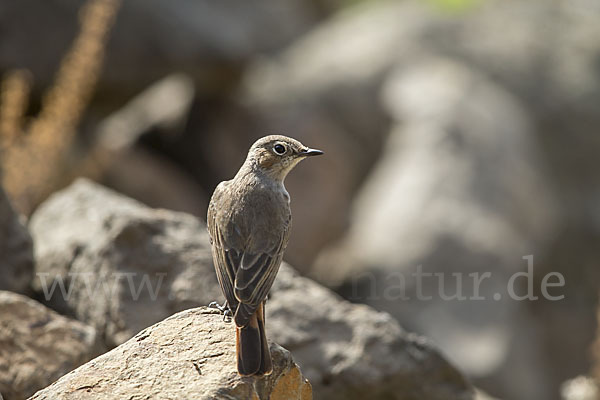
(277,155)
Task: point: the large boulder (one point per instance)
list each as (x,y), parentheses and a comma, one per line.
(325,90)
(92,236)
(16,250)
(541,56)
(544,56)
(189,355)
(117,264)
(39,345)
(351,351)
(580,388)
(459,190)
(456,140)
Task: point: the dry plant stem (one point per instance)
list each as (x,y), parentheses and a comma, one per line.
(33,163)
(14,95)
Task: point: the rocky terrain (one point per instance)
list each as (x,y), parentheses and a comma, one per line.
(16,248)
(188,355)
(39,345)
(460,136)
(114,267)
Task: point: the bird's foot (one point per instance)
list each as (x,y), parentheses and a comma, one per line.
(227,315)
(224,309)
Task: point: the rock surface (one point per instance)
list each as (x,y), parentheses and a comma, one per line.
(351,351)
(122,265)
(448,135)
(16,250)
(189,355)
(480,395)
(580,388)
(38,346)
(543,56)
(436,203)
(348,350)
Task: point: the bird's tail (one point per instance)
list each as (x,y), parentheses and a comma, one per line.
(252,349)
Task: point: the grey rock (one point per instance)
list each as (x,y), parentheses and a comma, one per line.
(480,395)
(349,350)
(16,250)
(450,114)
(548,55)
(580,388)
(39,345)
(122,265)
(189,355)
(459,190)
(543,56)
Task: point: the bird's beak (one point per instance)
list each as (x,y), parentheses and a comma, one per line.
(310,152)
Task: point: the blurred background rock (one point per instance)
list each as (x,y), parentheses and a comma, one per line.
(461,136)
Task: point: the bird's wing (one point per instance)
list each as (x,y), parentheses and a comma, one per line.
(225,259)
(257,271)
(255,275)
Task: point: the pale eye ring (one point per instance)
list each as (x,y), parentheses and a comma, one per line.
(279,149)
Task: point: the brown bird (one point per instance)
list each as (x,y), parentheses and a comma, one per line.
(249,221)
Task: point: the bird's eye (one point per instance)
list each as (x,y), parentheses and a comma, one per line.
(279,149)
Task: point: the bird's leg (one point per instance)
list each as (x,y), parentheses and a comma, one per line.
(224,309)
(227,315)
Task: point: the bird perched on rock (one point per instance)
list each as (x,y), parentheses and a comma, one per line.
(249,221)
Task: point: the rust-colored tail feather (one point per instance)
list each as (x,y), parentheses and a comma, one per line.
(252,349)
(266,363)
